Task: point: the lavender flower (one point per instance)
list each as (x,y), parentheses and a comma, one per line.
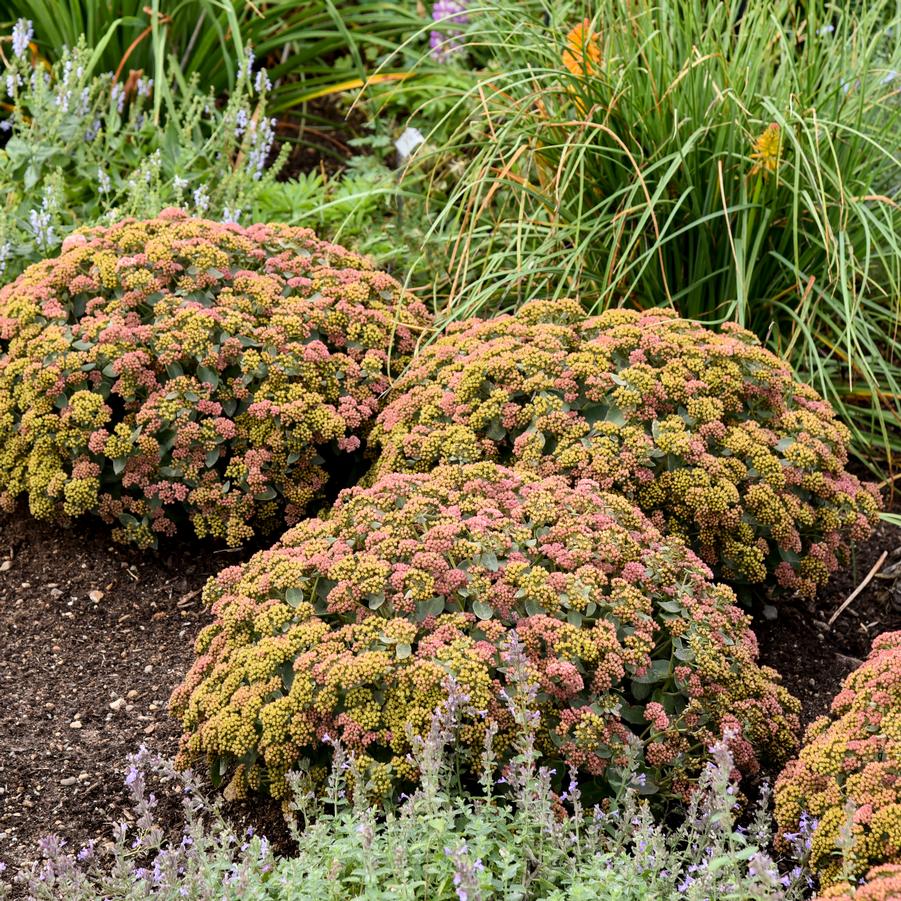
(23,32)
(445,43)
(118,97)
(261,137)
(248,62)
(201,199)
(466,874)
(41,227)
(262,84)
(240,122)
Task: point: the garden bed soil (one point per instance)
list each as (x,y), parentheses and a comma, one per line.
(95,636)
(813,657)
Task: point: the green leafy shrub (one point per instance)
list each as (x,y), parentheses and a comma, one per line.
(181,368)
(344,207)
(84,149)
(708,432)
(350,627)
(845,787)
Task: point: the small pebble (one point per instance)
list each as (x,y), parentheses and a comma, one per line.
(75,724)
(69,780)
(118,704)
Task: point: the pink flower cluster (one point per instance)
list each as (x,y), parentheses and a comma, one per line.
(708,432)
(847,779)
(880,884)
(351,626)
(179,369)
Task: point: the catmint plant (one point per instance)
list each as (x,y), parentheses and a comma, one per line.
(439,843)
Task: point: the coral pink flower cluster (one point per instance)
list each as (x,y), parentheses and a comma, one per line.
(351,626)
(880,884)
(183,369)
(708,432)
(847,778)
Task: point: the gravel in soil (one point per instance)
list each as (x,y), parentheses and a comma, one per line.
(94,637)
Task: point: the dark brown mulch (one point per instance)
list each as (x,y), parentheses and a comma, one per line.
(94,638)
(319,139)
(814,658)
(85,678)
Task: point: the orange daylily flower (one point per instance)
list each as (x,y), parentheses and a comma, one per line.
(582,55)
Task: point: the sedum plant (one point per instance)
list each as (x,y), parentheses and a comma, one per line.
(83,148)
(180,369)
(351,626)
(880,884)
(708,432)
(845,787)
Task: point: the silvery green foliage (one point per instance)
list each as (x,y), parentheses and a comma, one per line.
(208,860)
(86,149)
(513,840)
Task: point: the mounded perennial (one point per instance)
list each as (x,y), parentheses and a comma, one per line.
(352,627)
(708,432)
(845,787)
(179,369)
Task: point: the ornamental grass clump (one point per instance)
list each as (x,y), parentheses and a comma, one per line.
(735,161)
(846,783)
(708,432)
(493,583)
(179,369)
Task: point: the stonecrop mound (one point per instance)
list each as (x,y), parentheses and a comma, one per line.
(179,368)
(880,884)
(847,780)
(708,432)
(351,627)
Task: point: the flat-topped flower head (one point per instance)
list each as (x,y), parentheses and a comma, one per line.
(180,369)
(880,884)
(847,779)
(355,626)
(708,432)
